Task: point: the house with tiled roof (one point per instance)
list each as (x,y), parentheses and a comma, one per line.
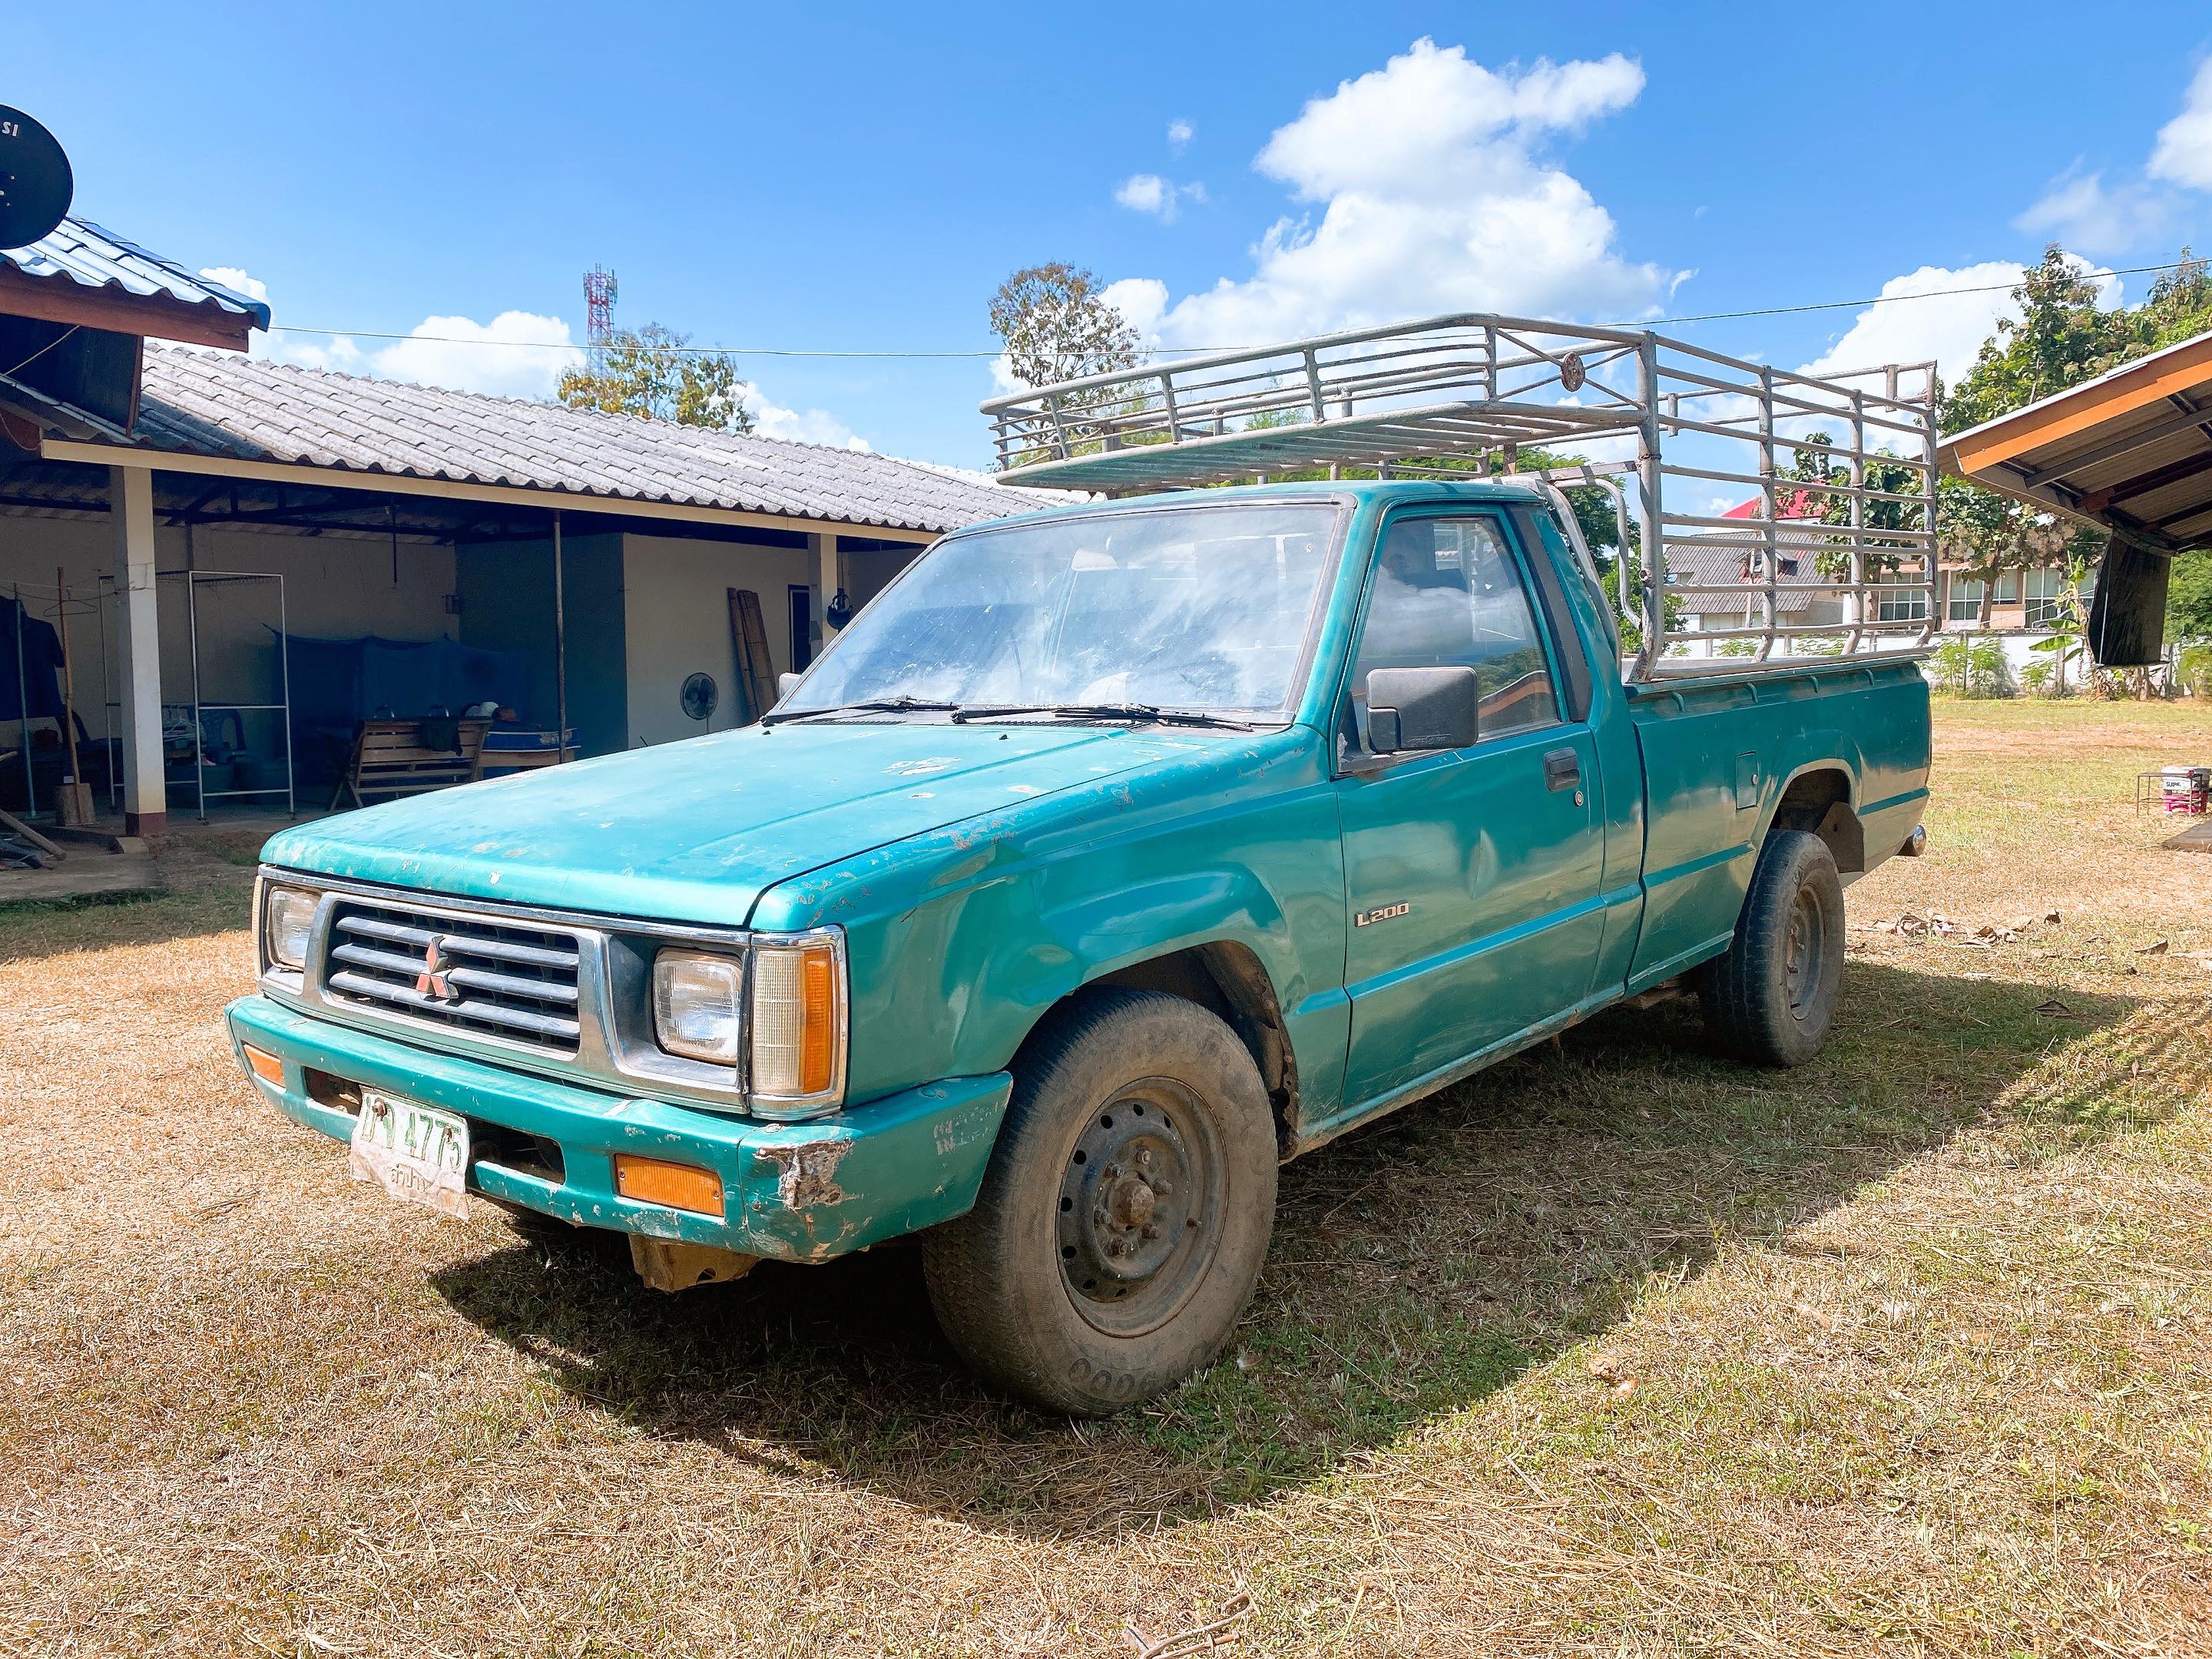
(2020,607)
(230,538)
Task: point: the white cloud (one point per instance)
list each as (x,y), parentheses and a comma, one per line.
(1433,196)
(1180,133)
(1142,301)
(518,354)
(2080,210)
(2184,151)
(1943,324)
(2084,210)
(1147,192)
(1144,192)
(811,426)
(236,280)
(1937,314)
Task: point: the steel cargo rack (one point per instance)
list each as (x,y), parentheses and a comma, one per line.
(1842,562)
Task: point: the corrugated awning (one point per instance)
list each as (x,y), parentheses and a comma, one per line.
(80,274)
(2130,449)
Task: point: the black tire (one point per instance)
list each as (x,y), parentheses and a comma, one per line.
(1772,997)
(1068,1286)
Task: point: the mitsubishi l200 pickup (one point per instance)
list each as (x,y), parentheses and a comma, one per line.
(1118,853)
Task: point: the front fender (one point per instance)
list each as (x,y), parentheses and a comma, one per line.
(958,943)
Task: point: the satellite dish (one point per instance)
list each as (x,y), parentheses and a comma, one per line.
(700,694)
(35,181)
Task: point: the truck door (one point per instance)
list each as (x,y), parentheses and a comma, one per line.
(1472,875)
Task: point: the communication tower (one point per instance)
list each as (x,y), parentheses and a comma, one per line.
(599,292)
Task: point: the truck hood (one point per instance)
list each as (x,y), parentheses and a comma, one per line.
(696,831)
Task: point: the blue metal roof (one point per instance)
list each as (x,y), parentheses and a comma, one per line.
(81,252)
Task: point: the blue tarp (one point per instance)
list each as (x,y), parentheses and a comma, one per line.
(338,683)
(343,682)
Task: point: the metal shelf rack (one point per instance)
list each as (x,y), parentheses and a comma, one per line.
(193,581)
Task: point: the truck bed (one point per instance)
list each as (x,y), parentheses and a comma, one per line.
(1720,753)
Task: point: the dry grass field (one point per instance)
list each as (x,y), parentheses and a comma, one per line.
(1618,1349)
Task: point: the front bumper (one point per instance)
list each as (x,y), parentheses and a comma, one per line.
(797,1192)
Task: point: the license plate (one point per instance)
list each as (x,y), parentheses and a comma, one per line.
(414,1151)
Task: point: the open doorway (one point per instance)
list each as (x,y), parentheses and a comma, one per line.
(802,628)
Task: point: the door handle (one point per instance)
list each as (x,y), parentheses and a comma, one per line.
(1563,770)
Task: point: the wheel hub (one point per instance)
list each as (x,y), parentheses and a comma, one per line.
(1801,952)
(1130,1204)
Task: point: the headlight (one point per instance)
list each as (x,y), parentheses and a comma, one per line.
(697,1005)
(290,917)
(798,1024)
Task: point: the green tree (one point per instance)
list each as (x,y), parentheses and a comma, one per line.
(2178,307)
(2061,337)
(2189,597)
(1809,464)
(1057,325)
(647,372)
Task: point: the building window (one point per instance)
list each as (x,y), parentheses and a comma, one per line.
(1965,601)
(2046,598)
(2007,587)
(1904,606)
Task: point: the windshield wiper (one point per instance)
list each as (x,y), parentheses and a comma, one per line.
(1146,712)
(899,705)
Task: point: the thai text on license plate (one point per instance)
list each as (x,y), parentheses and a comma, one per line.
(414,1151)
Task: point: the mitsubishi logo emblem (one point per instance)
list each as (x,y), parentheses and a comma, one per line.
(432,981)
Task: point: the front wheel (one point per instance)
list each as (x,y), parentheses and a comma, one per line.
(1772,997)
(1124,1217)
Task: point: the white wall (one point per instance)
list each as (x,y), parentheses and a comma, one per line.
(336,585)
(676,614)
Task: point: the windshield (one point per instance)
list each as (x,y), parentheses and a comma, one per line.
(1198,608)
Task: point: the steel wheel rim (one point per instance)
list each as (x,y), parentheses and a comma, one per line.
(1804,951)
(1141,1200)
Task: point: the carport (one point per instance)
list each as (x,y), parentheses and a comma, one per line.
(2129,452)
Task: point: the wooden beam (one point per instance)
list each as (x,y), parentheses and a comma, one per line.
(2185,417)
(2147,483)
(63,300)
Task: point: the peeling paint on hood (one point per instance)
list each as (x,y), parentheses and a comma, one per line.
(695,831)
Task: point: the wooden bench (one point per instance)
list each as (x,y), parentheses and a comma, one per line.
(389,758)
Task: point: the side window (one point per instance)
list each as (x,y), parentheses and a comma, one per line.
(1448,592)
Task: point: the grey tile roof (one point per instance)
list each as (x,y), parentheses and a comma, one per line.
(1710,565)
(219,403)
(78,251)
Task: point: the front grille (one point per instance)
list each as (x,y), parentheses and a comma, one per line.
(473,973)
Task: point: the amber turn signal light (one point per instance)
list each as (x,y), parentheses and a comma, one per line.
(266,1066)
(817,1036)
(679,1185)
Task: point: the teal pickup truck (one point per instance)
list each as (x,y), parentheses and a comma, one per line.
(1114,855)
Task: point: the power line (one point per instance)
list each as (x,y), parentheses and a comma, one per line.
(792,351)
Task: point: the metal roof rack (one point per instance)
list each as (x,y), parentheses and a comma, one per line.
(1463,395)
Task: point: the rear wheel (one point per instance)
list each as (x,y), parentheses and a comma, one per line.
(1772,997)
(1125,1212)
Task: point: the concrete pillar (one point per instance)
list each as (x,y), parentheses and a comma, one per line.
(828,578)
(130,510)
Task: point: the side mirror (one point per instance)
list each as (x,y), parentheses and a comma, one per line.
(1419,709)
(784,683)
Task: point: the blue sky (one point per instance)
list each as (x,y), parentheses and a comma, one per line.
(860,177)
